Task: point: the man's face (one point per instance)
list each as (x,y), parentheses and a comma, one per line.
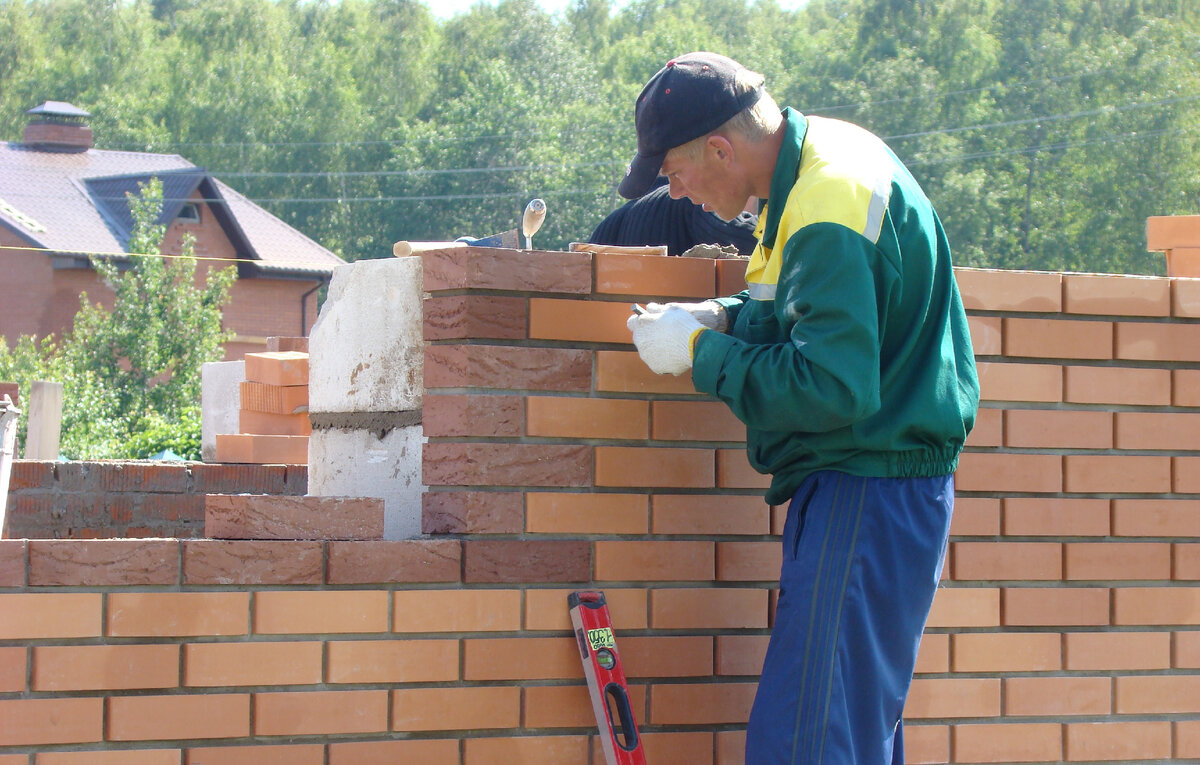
(704,180)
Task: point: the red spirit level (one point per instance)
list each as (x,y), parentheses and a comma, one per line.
(605,679)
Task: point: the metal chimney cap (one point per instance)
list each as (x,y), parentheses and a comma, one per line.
(57,109)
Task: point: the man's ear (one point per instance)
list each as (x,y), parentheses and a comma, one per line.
(720,147)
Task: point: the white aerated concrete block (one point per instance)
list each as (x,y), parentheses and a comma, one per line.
(220,398)
(355,462)
(366,349)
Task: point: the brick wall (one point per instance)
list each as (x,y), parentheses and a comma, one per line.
(102,499)
(1067,627)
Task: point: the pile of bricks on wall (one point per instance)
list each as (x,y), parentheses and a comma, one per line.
(1067,627)
(273,424)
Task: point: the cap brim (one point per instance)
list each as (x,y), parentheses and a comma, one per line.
(640,177)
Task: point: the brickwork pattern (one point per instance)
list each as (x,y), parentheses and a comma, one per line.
(1067,627)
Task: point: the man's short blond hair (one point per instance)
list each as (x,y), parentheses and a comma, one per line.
(753,124)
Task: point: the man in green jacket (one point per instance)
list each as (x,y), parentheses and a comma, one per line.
(849,360)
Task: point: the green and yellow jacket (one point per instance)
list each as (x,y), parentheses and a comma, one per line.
(849,349)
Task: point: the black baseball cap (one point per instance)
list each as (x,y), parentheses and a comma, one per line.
(691,96)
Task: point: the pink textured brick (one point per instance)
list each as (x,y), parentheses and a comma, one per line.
(1186,475)
(1006,652)
(466,415)
(107,562)
(474,316)
(741,654)
(701,703)
(489,268)
(1158,694)
(485,366)
(709,608)
(471,512)
(276,754)
(965,607)
(277,368)
(526,561)
(574,513)
(400,561)
(257,516)
(749,561)
(1057,696)
(953,697)
(252,562)
(475,464)
(1117,651)
(12,562)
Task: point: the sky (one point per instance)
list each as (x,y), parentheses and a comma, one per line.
(444,9)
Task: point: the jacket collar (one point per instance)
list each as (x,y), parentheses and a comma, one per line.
(787,168)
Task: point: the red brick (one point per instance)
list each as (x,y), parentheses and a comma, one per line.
(447,317)
(393,661)
(27,616)
(1174,431)
(1118,741)
(1158,694)
(701,704)
(1187,738)
(1057,696)
(1009,472)
(1142,341)
(695,421)
(256,516)
(731,275)
(494,268)
(655,561)
(666,656)
(1051,607)
(410,752)
(141,477)
(1007,742)
(1117,385)
(274,424)
(987,335)
(561,513)
(437,709)
(687,278)
(708,608)
(277,368)
(1185,387)
(105,667)
(545,609)
(1058,338)
(748,561)
(1187,649)
(320,713)
(238,479)
(975,516)
(714,514)
(473,415)
(272,399)
(1006,652)
(988,429)
(1118,561)
(1166,232)
(99,563)
(402,561)
(13,666)
(31,474)
(526,561)
(1102,294)
(624,372)
(12,562)
(581,418)
(1089,474)
(1157,605)
(262,449)
(1155,518)
(152,718)
(1009,381)
(1050,429)
(281,754)
(1117,651)
(933,654)
(482,366)
(1185,561)
(127,757)
(336,611)
(570,706)
(992,561)
(1185,298)
(457,610)
(471,512)
(450,464)
(734,471)
(579,321)
(741,654)
(177,614)
(731,745)
(25,722)
(997,290)
(926,744)
(953,697)
(965,607)
(629,466)
(527,750)
(252,562)
(1186,475)
(1055,517)
(252,664)
(525,658)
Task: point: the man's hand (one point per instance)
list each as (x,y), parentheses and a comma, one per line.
(664,338)
(710,313)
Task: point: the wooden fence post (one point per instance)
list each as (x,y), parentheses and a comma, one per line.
(45,420)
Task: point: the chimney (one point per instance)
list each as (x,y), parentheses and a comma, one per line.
(58,126)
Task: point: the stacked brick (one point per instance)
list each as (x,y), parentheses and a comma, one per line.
(273,424)
(1178,238)
(1067,627)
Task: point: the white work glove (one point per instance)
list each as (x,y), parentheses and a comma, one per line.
(664,339)
(710,313)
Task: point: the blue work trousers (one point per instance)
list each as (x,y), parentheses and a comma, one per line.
(861,563)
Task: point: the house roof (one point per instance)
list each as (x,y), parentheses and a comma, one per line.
(74,203)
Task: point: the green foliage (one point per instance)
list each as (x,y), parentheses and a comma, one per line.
(131,374)
(1046,131)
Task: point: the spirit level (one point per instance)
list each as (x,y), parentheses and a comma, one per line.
(605,678)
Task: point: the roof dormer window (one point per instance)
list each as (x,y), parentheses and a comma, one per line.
(189,213)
